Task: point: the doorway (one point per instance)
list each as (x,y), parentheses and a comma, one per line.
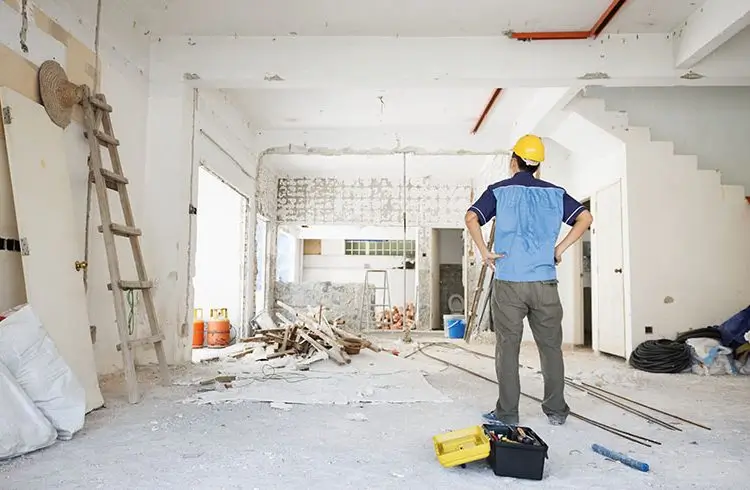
(447,274)
(586,283)
(608,299)
(220,255)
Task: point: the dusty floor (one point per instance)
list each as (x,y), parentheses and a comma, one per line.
(166,443)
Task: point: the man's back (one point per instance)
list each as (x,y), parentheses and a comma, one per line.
(528,215)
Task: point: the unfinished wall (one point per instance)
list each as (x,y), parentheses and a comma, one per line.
(371,201)
(709,122)
(64,31)
(267,199)
(199,126)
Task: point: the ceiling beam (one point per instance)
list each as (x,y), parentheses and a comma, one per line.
(367,62)
(708,28)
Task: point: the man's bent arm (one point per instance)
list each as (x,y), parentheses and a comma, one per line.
(475,231)
(582,223)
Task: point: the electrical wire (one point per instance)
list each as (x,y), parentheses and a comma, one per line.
(130,296)
(661,356)
(700,333)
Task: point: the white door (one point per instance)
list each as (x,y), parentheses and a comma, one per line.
(607,250)
(44,213)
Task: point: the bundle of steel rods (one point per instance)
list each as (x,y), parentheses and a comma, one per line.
(591,390)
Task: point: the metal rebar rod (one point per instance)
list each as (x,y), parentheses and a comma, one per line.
(632,410)
(621,433)
(587,389)
(646,406)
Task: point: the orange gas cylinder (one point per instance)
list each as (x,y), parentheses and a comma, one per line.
(218,328)
(198,328)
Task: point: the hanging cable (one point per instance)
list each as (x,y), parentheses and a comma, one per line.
(661,356)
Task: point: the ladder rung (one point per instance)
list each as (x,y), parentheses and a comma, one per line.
(143,341)
(122,230)
(99,104)
(111,179)
(106,139)
(133,285)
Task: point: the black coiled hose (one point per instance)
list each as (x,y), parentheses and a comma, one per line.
(700,333)
(661,356)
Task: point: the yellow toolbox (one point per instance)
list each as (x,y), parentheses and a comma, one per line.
(462,446)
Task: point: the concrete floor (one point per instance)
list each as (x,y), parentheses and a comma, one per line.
(164,443)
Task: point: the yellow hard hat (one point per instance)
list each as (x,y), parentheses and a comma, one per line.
(530,148)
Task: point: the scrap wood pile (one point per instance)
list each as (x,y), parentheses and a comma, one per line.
(393,319)
(306,336)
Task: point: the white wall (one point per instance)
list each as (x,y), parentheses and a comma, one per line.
(124,80)
(709,122)
(332,265)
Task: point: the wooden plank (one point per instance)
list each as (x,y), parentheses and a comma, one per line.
(44,211)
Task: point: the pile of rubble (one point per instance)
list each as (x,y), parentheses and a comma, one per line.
(394,320)
(309,337)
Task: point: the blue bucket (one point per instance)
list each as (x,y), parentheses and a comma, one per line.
(454,325)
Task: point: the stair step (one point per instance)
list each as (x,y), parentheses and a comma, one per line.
(133,285)
(664,148)
(735,193)
(122,230)
(639,133)
(143,341)
(686,162)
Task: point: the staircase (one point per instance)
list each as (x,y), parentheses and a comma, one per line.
(686,233)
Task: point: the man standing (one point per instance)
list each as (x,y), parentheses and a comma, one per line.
(528,215)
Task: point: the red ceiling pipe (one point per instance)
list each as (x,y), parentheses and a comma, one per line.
(486,110)
(597,29)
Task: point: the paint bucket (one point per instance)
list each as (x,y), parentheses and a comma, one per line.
(218,329)
(199,327)
(454,326)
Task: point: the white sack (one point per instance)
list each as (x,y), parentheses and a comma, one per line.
(710,357)
(32,358)
(23,428)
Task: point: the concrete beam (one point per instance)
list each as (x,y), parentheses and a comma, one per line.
(708,28)
(544,101)
(379,62)
(441,140)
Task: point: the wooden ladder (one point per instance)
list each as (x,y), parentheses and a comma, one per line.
(97,113)
(478,291)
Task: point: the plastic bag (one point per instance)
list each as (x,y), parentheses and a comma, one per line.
(23,428)
(710,357)
(32,358)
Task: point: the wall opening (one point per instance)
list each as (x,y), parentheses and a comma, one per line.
(587,316)
(447,288)
(220,255)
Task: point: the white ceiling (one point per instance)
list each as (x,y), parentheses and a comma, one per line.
(440,168)
(418,18)
(397,108)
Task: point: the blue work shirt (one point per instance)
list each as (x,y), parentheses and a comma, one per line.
(528,215)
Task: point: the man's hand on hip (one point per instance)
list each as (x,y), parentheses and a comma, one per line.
(489,258)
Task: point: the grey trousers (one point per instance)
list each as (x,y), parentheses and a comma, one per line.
(540,302)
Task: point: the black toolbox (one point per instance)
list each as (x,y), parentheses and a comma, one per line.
(516,459)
